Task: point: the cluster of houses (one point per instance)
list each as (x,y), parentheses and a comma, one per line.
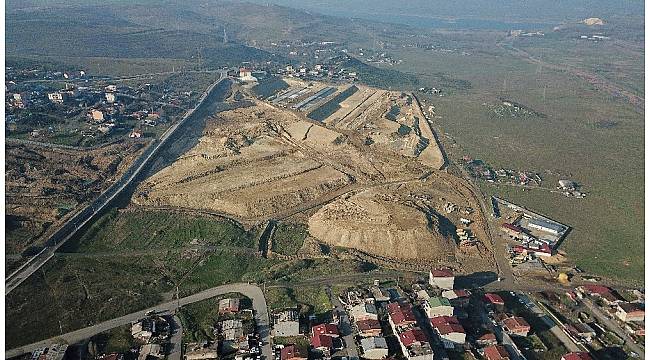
(632,314)
(481,170)
(152,332)
(234,335)
(100,108)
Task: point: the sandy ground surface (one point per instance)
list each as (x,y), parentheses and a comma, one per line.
(382,196)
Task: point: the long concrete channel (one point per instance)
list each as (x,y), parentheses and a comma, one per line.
(85,216)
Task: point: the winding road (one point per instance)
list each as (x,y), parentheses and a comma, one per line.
(251,291)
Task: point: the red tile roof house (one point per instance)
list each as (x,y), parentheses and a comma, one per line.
(291,353)
(577,356)
(496,352)
(494,301)
(325,329)
(600,291)
(400,316)
(487,339)
(457,298)
(630,312)
(228,306)
(322,343)
(369,328)
(441,278)
(449,330)
(516,326)
(415,345)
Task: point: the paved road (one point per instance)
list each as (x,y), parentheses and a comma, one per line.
(345,326)
(556,328)
(248,290)
(176,341)
(613,326)
(69,229)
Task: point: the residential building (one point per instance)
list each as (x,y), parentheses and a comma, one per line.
(325,329)
(228,306)
(96,115)
(438,306)
(286,323)
(496,352)
(369,328)
(400,316)
(602,292)
(516,325)
(374,347)
(630,312)
(494,301)
(415,344)
(231,330)
(582,331)
(457,298)
(577,356)
(364,311)
(487,339)
(441,278)
(291,352)
(110,97)
(449,330)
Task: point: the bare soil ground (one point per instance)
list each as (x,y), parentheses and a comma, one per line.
(46,184)
(391,120)
(260,162)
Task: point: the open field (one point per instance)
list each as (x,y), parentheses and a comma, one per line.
(580,137)
(44,184)
(288,238)
(310,300)
(117,231)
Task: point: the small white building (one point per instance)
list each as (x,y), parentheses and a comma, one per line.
(55,97)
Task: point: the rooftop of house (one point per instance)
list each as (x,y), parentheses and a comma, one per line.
(289,352)
(400,313)
(325,329)
(322,341)
(436,301)
(577,356)
(631,307)
(444,320)
(445,329)
(515,322)
(496,352)
(373,342)
(443,273)
(370,324)
(494,299)
(413,336)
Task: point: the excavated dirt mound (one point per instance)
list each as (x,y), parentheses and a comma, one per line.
(250,163)
(382,222)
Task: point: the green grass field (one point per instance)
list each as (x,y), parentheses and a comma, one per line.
(607,236)
(139,230)
(288,238)
(310,299)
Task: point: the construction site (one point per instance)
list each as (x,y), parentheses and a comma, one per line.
(369,178)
